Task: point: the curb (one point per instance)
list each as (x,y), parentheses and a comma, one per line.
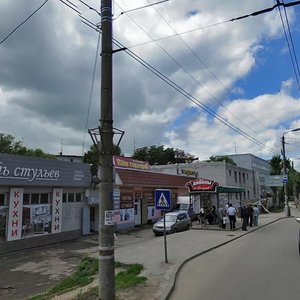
(173,279)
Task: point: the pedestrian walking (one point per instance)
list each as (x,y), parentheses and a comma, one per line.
(244,217)
(231,212)
(250,215)
(222,217)
(202,216)
(255,215)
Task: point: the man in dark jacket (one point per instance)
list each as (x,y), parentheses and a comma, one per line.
(250,215)
(244,216)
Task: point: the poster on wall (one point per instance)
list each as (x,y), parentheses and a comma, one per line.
(14,228)
(153,213)
(36,220)
(126,198)
(57,210)
(126,215)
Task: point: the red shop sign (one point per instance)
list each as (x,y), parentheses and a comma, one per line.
(202,184)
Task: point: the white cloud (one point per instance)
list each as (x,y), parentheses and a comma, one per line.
(47,65)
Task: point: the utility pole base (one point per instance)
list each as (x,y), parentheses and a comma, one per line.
(287,211)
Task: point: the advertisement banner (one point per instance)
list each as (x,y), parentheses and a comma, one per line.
(56,210)
(14,230)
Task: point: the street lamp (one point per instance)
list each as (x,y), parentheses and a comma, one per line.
(286,204)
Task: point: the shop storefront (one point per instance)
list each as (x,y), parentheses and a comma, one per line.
(209,193)
(133,196)
(40,197)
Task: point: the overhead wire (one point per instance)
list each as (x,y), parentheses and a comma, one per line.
(91,93)
(23,22)
(212,74)
(290,43)
(183,92)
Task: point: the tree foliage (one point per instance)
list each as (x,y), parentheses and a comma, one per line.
(225,158)
(92,155)
(158,155)
(9,145)
(293,184)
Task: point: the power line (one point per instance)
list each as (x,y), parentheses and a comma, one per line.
(211,72)
(290,43)
(91,93)
(184,92)
(16,28)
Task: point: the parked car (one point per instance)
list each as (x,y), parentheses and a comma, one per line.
(175,221)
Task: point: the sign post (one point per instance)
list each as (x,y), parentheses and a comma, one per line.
(163,201)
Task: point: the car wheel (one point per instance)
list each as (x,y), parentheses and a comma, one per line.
(175,230)
(188,226)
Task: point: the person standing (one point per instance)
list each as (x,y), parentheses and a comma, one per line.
(250,215)
(231,212)
(244,217)
(255,215)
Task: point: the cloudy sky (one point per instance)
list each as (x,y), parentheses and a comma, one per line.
(236,87)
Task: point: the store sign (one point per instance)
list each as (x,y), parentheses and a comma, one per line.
(18,170)
(15,213)
(29,174)
(202,184)
(57,210)
(129,163)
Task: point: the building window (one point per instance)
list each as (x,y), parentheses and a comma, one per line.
(240,179)
(35,199)
(64,197)
(2,200)
(44,198)
(71,197)
(235,176)
(244,178)
(248,192)
(78,197)
(26,199)
(247,176)
(229,172)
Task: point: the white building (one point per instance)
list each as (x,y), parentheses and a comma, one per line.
(236,184)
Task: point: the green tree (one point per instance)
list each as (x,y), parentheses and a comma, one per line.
(92,155)
(225,158)
(10,146)
(276,165)
(160,156)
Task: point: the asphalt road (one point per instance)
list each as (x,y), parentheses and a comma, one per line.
(261,265)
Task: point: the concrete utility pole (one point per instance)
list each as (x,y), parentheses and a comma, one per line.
(286,204)
(106,226)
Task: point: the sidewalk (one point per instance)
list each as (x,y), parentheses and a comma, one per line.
(181,247)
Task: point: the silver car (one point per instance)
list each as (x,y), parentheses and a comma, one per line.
(175,221)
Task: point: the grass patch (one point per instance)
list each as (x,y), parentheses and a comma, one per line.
(276,209)
(81,277)
(129,277)
(84,275)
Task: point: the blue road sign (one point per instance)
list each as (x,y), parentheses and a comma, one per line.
(285,179)
(163,199)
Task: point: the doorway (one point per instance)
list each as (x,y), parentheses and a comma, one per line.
(137,212)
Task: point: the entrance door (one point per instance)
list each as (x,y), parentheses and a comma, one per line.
(137,212)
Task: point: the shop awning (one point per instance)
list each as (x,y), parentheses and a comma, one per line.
(230,189)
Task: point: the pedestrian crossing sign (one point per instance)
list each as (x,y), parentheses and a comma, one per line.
(163,200)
